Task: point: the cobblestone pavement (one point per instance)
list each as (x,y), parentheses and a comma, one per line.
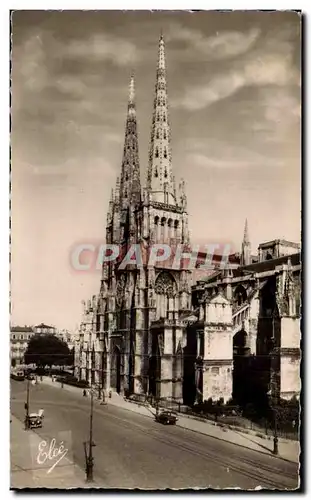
(288,449)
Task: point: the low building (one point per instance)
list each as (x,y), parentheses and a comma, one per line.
(44,329)
(19,338)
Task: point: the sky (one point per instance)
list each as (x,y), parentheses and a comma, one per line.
(234,90)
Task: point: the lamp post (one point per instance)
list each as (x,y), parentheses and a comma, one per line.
(89,454)
(27,404)
(275,438)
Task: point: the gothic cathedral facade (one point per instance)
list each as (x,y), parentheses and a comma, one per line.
(135,324)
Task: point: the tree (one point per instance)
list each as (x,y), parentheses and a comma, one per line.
(48,350)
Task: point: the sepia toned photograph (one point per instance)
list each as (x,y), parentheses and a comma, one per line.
(155,250)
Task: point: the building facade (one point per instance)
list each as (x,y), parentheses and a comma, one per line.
(148,332)
(19,338)
(43,329)
(262,328)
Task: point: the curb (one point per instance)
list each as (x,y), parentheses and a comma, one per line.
(234,428)
(221,425)
(266,453)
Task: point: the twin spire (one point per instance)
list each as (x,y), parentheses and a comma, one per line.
(160,181)
(130,190)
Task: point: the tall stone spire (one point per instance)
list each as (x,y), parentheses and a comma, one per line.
(130,191)
(160,182)
(246,235)
(246,247)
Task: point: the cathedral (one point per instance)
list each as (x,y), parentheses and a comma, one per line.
(151,330)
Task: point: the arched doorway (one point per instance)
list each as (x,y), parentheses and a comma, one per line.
(189,367)
(240,375)
(155,369)
(115,377)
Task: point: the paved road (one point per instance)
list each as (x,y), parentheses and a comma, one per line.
(133,451)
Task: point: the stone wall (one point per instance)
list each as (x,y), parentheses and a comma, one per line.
(217,381)
(290,333)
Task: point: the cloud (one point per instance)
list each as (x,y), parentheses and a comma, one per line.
(269,69)
(271,63)
(222,45)
(73,86)
(103,47)
(222,154)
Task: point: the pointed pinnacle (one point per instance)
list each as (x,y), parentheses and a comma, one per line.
(132,90)
(161,58)
(246,235)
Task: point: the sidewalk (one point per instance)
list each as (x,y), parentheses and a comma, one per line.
(26,472)
(288,450)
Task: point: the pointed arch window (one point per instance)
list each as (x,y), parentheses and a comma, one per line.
(125,194)
(158,117)
(165,153)
(164,134)
(157,153)
(164,118)
(158,134)
(126,176)
(156,173)
(165,174)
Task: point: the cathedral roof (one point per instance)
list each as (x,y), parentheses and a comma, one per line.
(269,265)
(269,244)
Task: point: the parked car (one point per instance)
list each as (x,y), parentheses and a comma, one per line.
(18,375)
(166,417)
(35,419)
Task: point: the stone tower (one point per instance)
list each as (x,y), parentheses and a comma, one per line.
(118,286)
(139,317)
(165,220)
(246,247)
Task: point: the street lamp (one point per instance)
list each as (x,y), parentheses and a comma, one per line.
(89,459)
(27,405)
(275,438)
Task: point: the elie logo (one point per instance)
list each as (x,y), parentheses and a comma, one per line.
(50,454)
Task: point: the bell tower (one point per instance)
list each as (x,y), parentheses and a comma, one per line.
(165,221)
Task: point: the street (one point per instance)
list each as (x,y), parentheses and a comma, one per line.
(133,451)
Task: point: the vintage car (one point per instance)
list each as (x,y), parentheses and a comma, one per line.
(166,417)
(35,420)
(18,375)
